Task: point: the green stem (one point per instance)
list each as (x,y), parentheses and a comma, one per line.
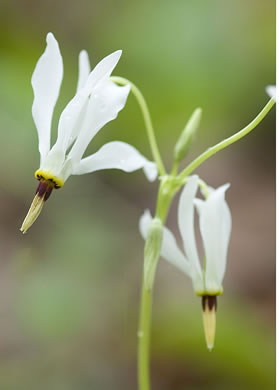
(226,142)
(147,120)
(163,205)
(166,192)
(144,339)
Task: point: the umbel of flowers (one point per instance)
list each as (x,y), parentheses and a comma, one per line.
(97,101)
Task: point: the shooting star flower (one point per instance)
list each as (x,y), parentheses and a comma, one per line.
(96,102)
(215,228)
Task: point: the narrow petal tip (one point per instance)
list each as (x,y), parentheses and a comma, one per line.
(50,37)
(271,91)
(150,171)
(116,54)
(83,56)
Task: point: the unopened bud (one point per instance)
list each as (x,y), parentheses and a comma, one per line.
(184,141)
(152,251)
(209,307)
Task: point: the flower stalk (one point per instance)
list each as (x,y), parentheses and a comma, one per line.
(228,141)
(147,121)
(144,338)
(169,186)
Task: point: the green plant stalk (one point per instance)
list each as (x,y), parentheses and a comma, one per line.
(147,120)
(144,339)
(226,142)
(168,188)
(146,294)
(163,204)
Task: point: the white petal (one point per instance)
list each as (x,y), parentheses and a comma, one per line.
(215,226)
(186,223)
(103,69)
(199,204)
(84,69)
(46,81)
(170,250)
(116,155)
(73,115)
(70,121)
(103,106)
(271,91)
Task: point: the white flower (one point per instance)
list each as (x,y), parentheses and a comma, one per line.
(96,102)
(215,227)
(271,91)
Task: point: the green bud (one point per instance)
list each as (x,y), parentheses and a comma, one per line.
(152,251)
(186,137)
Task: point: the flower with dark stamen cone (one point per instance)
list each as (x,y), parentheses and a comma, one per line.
(215,227)
(42,194)
(209,307)
(97,101)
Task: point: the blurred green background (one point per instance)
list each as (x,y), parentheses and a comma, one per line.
(69,289)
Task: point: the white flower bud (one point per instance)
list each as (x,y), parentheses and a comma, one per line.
(186,137)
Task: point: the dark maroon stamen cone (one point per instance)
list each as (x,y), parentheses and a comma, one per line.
(44,190)
(209,301)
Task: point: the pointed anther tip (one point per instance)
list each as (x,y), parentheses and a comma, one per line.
(210,347)
(33,213)
(22,230)
(43,192)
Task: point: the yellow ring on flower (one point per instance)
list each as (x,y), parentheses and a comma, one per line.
(201,293)
(49,177)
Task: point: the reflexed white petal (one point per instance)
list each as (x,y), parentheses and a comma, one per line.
(150,170)
(199,204)
(70,121)
(103,69)
(46,81)
(271,91)
(116,155)
(170,250)
(73,116)
(84,69)
(104,104)
(215,226)
(186,222)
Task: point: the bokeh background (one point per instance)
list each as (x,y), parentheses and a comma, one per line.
(69,289)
